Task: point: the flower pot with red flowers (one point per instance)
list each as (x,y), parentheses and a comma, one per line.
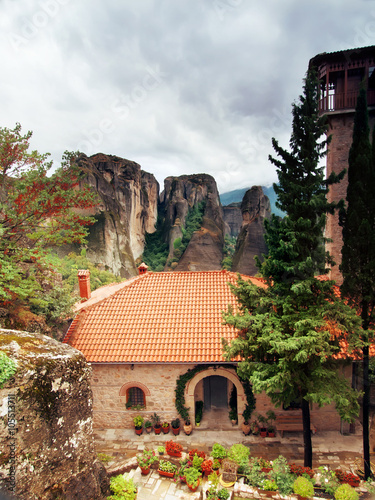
(145,460)
(348,478)
(138,424)
(206,467)
(173,449)
(175,426)
(194,452)
(165,427)
(155,419)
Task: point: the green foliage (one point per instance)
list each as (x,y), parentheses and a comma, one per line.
(37,211)
(155,253)
(218,451)
(346,492)
(8,368)
(103,457)
(138,421)
(240,454)
(69,265)
(269,485)
(328,480)
(303,487)
(223,494)
(254,474)
(123,488)
(282,476)
(192,475)
(228,252)
(197,462)
(198,411)
(166,466)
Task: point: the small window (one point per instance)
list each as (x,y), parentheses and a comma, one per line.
(135,397)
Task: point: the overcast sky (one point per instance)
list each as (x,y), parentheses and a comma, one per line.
(179,86)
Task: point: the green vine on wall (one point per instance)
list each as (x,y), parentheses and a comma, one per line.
(184,379)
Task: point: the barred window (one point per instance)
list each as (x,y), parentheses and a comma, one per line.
(135,396)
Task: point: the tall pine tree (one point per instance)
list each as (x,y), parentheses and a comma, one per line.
(290,332)
(358,251)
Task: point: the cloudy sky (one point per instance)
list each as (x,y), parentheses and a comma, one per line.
(179,86)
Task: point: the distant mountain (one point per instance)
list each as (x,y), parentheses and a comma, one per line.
(236,196)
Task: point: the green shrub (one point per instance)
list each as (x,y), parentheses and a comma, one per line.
(240,454)
(303,487)
(123,488)
(218,451)
(8,368)
(346,492)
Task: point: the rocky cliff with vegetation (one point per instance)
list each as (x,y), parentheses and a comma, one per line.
(126,210)
(193,223)
(255,208)
(46,436)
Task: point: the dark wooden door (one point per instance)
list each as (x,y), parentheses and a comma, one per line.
(215,392)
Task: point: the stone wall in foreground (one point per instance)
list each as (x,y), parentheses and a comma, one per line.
(46,439)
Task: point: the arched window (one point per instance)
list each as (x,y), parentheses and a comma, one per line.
(134,397)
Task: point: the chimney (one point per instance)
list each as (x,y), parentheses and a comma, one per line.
(142,269)
(84,283)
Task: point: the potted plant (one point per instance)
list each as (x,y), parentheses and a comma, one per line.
(254,427)
(233,416)
(218,451)
(148,426)
(166,468)
(265,465)
(175,426)
(263,427)
(161,450)
(188,427)
(198,412)
(173,449)
(197,462)
(223,494)
(145,460)
(239,453)
(194,452)
(192,476)
(347,477)
(122,486)
(346,492)
(165,427)
(138,423)
(246,428)
(156,423)
(206,467)
(270,427)
(216,465)
(303,487)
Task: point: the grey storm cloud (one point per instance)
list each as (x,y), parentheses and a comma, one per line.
(179,87)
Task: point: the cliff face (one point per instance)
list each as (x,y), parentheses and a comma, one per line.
(205,249)
(255,207)
(46,422)
(233,218)
(126,211)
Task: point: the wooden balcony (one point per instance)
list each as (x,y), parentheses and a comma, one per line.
(343,101)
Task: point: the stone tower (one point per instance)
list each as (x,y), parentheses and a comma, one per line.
(341,75)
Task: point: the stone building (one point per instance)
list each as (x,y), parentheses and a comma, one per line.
(141,335)
(341,75)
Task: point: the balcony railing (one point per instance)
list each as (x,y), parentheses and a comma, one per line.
(338,101)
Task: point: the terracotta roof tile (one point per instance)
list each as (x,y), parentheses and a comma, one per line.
(157,317)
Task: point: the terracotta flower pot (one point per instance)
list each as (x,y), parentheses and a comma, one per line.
(166,429)
(145,470)
(188,429)
(246,428)
(138,431)
(165,473)
(157,430)
(176,431)
(191,488)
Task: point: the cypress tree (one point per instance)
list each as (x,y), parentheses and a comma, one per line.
(290,332)
(358,250)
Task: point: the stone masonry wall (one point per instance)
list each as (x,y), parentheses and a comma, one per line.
(159,383)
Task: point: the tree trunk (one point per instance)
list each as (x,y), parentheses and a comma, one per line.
(306,433)
(366,414)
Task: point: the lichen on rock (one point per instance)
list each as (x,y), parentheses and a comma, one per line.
(46,412)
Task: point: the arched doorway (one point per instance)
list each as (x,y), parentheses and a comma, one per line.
(195,389)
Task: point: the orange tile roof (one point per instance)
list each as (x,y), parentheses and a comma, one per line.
(158,317)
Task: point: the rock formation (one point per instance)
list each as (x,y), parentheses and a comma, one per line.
(46,422)
(233,218)
(205,249)
(126,211)
(255,207)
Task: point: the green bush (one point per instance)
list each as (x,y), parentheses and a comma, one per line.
(218,451)
(346,492)
(303,487)
(240,454)
(123,488)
